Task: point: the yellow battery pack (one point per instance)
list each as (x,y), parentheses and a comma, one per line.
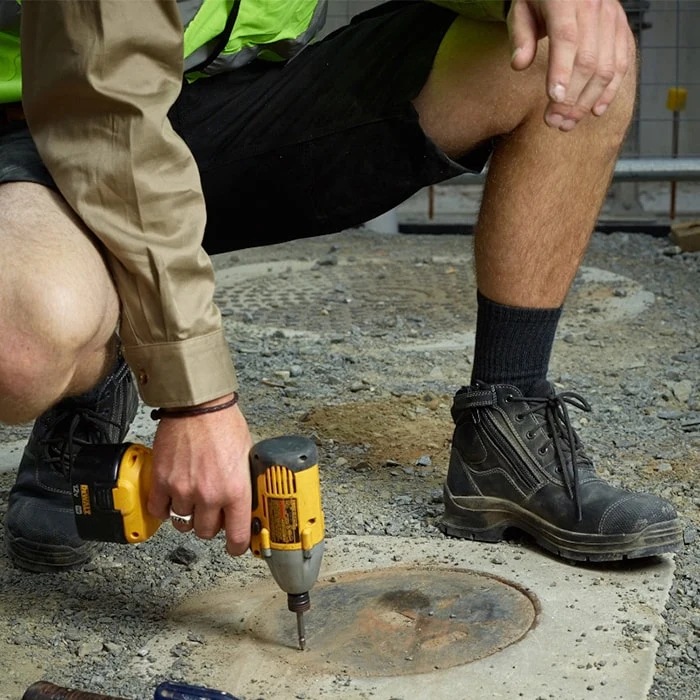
(110,486)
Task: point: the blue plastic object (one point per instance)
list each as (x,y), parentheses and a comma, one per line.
(182,691)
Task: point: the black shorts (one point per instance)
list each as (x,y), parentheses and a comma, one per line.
(321,143)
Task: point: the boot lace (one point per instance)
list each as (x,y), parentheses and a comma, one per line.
(71,427)
(557,424)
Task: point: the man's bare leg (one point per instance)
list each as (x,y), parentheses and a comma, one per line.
(543,194)
(515,461)
(60,308)
(544,188)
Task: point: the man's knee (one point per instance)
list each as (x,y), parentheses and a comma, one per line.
(472,93)
(44,327)
(57,300)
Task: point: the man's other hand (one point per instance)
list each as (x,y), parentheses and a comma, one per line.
(201,468)
(590,43)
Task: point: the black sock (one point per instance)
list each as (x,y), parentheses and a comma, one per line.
(513,344)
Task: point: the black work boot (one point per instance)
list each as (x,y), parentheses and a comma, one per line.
(516,462)
(40,529)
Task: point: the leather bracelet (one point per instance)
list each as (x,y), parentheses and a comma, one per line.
(159,413)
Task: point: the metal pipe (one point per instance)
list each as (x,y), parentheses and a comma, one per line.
(674,153)
(626,170)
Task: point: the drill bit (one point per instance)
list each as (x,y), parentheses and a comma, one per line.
(301,631)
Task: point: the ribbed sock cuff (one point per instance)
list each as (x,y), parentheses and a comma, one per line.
(513,344)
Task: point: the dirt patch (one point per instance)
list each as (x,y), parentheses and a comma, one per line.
(400,429)
(684,474)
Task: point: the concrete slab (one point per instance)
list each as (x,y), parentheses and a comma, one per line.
(593,635)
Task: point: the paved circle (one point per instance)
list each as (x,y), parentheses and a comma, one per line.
(379,296)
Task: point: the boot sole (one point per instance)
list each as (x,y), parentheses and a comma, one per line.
(486,519)
(42,558)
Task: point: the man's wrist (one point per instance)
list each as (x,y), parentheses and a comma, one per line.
(220,404)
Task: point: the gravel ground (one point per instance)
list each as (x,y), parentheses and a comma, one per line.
(365,360)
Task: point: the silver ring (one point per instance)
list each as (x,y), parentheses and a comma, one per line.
(177,518)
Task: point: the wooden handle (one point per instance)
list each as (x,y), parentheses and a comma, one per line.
(43,690)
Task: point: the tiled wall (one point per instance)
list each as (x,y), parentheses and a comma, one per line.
(670,55)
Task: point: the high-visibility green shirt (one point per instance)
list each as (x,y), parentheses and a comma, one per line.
(219,35)
(267,29)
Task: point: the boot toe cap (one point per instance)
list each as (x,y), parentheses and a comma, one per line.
(635,512)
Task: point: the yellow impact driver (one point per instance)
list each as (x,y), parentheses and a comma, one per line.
(110,486)
(287,527)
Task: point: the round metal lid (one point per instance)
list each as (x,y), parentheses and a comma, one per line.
(404,620)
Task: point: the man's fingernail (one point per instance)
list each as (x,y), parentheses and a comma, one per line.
(558,93)
(555,120)
(515,53)
(567,125)
(599,110)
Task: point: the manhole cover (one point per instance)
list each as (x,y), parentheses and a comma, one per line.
(401,621)
(374,294)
